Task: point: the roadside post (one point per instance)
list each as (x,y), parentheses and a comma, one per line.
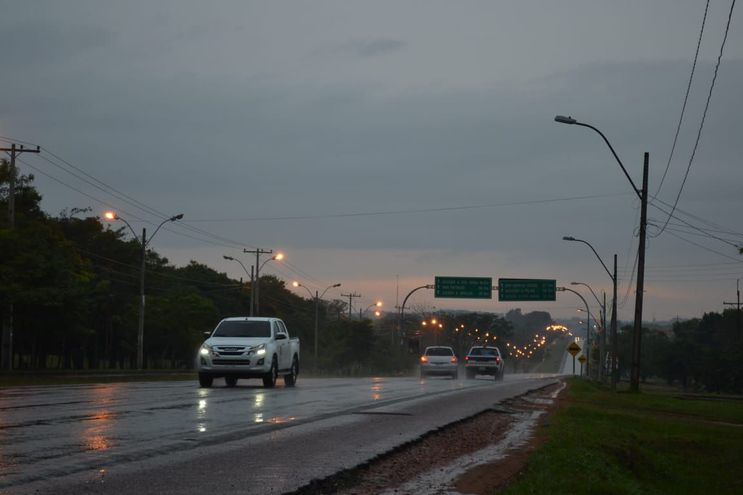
(582,360)
(574,349)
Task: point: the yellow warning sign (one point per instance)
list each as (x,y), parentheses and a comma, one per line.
(574,349)
(582,358)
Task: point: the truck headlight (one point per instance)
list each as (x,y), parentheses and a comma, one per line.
(259,350)
(205,350)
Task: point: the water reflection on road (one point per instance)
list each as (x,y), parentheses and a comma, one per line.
(59,430)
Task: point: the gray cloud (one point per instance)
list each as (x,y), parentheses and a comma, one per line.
(374,47)
(31,43)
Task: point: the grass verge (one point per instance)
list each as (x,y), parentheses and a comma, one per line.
(648,443)
(44,377)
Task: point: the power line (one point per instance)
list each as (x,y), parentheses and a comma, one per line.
(686,99)
(128,213)
(717,227)
(409,211)
(705,247)
(688,224)
(704,117)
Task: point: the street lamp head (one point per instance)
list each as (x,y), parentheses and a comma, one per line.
(278,256)
(296,284)
(568,238)
(565,120)
(379,304)
(228,257)
(377,314)
(110,215)
(336,285)
(574,283)
(176,217)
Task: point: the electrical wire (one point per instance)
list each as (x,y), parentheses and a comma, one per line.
(690,225)
(704,117)
(705,247)
(409,211)
(686,99)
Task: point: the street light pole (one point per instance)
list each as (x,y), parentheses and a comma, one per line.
(588,335)
(258,267)
(613,277)
(109,215)
(643,195)
(317,311)
(588,320)
(402,308)
(249,274)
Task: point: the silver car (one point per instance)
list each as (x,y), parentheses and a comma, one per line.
(439,360)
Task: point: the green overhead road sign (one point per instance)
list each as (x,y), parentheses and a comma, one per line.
(464,287)
(526,289)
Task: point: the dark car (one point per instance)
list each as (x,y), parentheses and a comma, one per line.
(484,360)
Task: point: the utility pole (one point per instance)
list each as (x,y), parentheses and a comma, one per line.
(637,331)
(737,287)
(614,338)
(350,296)
(602,346)
(254,290)
(140,327)
(6,356)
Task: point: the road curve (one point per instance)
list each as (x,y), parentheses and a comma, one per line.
(172,437)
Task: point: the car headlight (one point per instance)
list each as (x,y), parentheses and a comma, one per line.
(259,350)
(205,350)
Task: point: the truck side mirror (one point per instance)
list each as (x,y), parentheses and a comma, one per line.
(280,336)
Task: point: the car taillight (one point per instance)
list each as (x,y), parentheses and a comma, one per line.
(424,359)
(454,360)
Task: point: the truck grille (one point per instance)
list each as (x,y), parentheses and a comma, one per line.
(231,362)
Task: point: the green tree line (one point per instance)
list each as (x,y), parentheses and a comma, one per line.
(702,354)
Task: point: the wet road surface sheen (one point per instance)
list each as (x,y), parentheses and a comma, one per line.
(51,432)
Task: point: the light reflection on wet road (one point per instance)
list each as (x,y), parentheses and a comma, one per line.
(47,432)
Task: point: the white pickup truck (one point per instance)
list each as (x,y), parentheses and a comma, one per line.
(249,347)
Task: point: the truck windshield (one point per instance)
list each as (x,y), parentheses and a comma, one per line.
(245,328)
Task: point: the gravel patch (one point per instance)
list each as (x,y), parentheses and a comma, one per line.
(457,458)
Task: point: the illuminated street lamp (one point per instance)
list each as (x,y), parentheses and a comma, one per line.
(317,298)
(258,267)
(377,304)
(113,216)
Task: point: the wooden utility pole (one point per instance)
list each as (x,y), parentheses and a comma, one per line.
(737,304)
(254,291)
(350,296)
(634,384)
(6,355)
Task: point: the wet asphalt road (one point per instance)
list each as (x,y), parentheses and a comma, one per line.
(172,437)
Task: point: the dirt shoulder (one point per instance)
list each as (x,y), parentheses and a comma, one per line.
(474,455)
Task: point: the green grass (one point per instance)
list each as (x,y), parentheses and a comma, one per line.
(46,377)
(649,443)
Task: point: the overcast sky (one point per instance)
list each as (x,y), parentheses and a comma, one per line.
(271,124)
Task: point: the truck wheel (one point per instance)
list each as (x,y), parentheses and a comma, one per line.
(269,379)
(291,379)
(231,381)
(205,381)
